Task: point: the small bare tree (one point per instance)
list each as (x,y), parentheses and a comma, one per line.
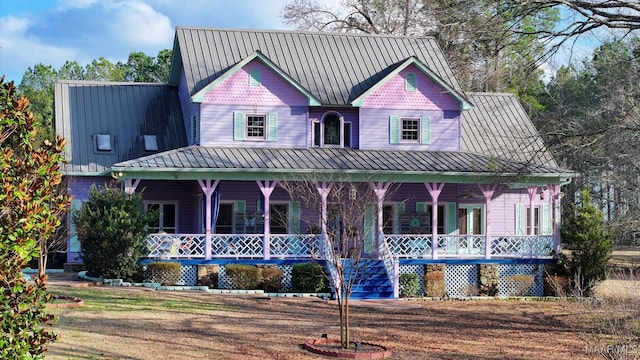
(57,242)
(345,214)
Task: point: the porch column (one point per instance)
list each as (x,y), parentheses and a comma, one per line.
(207,188)
(533,191)
(487,192)
(434,191)
(130,185)
(380,189)
(554,191)
(323,189)
(266,187)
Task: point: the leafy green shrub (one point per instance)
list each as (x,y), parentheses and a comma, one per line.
(243,277)
(585,235)
(271,279)
(409,285)
(163,272)
(307,277)
(112,228)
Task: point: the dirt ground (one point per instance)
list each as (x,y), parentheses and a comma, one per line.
(196,325)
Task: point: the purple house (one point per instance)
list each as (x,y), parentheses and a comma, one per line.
(244,110)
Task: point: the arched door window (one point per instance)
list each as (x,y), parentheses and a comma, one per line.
(332,131)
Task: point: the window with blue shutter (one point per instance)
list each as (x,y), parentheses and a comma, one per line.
(425,129)
(255,78)
(238,126)
(410,82)
(394,133)
(273,127)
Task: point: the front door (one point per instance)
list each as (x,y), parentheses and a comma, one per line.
(470,222)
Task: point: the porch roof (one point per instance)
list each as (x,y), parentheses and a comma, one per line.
(227,163)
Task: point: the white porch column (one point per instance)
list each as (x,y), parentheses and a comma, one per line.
(533,191)
(207,188)
(380,189)
(487,191)
(434,190)
(554,191)
(266,188)
(130,185)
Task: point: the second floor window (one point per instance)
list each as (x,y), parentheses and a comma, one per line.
(256,126)
(410,130)
(332,131)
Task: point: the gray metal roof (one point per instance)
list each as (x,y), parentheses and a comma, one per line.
(334,67)
(126,111)
(498,126)
(247,163)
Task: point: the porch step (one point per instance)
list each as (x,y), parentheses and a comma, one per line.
(371,282)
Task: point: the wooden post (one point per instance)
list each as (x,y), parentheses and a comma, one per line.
(207,188)
(554,191)
(487,192)
(266,188)
(434,191)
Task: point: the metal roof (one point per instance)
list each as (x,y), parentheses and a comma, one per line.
(334,67)
(125,111)
(497,125)
(393,165)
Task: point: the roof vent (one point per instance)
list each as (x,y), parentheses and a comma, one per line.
(150,143)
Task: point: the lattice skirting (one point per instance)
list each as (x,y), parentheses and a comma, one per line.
(224,281)
(521,280)
(461,280)
(188,275)
(414,269)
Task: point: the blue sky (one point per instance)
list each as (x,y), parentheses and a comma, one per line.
(54,31)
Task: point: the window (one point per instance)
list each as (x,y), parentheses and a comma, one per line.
(410,82)
(279,218)
(195,130)
(103,142)
(470,220)
(388,219)
(536,220)
(255,78)
(410,130)
(332,131)
(167,217)
(224,222)
(150,143)
(256,126)
(429,210)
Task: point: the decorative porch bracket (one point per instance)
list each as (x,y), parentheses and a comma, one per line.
(130,185)
(208,189)
(487,192)
(554,191)
(434,191)
(266,187)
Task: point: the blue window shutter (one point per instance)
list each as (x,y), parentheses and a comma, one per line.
(394,135)
(421,207)
(410,82)
(369,229)
(547,226)
(238,126)
(241,206)
(520,219)
(294,207)
(273,127)
(452,218)
(425,128)
(255,78)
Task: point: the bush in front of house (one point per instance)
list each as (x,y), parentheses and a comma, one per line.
(307,277)
(409,285)
(271,279)
(112,228)
(243,277)
(163,272)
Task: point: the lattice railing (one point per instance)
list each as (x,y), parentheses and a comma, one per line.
(523,246)
(237,246)
(461,245)
(407,246)
(295,246)
(176,245)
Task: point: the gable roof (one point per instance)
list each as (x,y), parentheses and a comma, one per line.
(230,163)
(335,67)
(125,111)
(199,96)
(498,126)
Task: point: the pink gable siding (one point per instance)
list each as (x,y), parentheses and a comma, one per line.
(429,95)
(273,90)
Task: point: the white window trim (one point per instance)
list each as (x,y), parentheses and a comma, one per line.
(177,214)
(483,214)
(401,129)
(322,128)
(265,127)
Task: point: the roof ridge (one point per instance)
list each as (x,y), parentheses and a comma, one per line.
(304,32)
(117,83)
(486,93)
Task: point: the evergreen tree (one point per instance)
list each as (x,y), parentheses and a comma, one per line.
(586,236)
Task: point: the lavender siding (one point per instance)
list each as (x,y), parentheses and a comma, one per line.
(189,109)
(374,129)
(217,125)
(349,115)
(428,94)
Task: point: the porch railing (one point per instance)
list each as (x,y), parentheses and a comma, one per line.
(390,263)
(299,246)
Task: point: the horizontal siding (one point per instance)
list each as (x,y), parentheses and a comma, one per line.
(217,126)
(189,109)
(273,90)
(374,130)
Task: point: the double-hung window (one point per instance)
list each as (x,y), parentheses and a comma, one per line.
(410,130)
(256,127)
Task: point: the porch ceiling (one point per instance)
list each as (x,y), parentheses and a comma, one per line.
(225,163)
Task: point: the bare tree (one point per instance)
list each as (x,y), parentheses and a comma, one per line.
(344,213)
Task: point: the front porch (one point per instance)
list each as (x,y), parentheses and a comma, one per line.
(309,246)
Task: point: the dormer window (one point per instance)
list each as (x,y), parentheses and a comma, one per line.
(255,78)
(410,82)
(103,142)
(150,143)
(332,131)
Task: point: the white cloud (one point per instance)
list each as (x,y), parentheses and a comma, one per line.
(75,4)
(137,23)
